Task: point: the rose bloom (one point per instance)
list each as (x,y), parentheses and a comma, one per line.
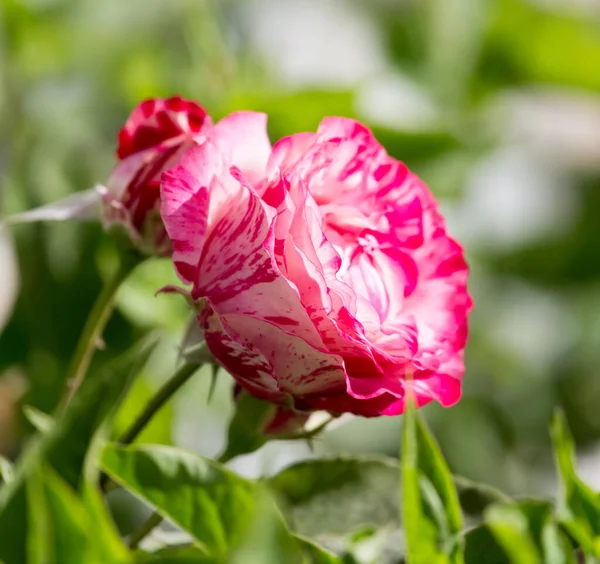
(321,269)
(156,134)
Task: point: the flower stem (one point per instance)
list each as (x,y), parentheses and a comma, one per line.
(158,400)
(162,396)
(95,324)
(153,521)
(153,406)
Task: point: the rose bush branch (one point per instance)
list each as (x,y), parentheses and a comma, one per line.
(148,526)
(164,394)
(96,322)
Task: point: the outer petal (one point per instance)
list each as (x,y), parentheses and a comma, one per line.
(443,389)
(298,367)
(240,358)
(242,138)
(288,151)
(341,402)
(332,127)
(185,205)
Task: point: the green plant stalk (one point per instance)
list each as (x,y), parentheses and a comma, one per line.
(153,521)
(158,400)
(164,394)
(154,405)
(95,324)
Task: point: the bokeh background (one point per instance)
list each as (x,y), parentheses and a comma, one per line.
(495,103)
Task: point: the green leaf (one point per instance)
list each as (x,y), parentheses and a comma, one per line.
(65,445)
(175,555)
(106,544)
(476,497)
(316,554)
(267,539)
(40,420)
(246,427)
(62,528)
(338,495)
(106,541)
(579,505)
(203,498)
(434,467)
(13,524)
(550,540)
(100,394)
(226,515)
(527,532)
(6,469)
(481,546)
(556,546)
(510,528)
(58,523)
(431,510)
(180,559)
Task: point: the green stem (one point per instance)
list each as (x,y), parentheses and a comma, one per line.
(95,324)
(153,521)
(157,401)
(152,407)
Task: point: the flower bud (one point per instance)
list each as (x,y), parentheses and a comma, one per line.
(156,134)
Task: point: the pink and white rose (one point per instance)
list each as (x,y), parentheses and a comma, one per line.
(156,134)
(321,269)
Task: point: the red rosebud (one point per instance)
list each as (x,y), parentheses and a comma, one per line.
(152,140)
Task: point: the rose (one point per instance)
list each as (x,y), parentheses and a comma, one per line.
(321,269)
(155,135)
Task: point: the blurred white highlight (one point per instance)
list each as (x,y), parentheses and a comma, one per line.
(9,277)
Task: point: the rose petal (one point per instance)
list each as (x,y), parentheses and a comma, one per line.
(239,357)
(242,137)
(298,367)
(185,206)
